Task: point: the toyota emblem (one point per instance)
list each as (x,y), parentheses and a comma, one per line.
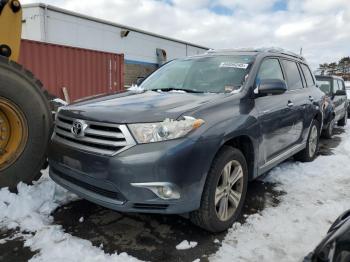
(78,128)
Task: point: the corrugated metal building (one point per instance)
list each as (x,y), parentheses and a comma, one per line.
(50,24)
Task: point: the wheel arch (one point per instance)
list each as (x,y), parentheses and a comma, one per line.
(246,144)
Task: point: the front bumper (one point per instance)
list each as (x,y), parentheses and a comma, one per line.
(106,180)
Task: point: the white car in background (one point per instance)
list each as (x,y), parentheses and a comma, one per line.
(347,86)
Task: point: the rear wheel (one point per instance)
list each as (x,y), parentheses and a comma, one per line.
(312,145)
(224,192)
(25,125)
(344,120)
(328,132)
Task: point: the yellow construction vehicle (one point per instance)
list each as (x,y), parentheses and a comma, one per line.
(25,117)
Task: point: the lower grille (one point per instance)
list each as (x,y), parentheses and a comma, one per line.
(95,137)
(100,191)
(150,206)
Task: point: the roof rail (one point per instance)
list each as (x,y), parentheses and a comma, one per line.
(261,49)
(281,51)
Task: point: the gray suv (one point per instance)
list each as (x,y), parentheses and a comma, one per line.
(192,136)
(336,102)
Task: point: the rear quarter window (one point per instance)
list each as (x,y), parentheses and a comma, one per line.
(307,74)
(341,85)
(335,86)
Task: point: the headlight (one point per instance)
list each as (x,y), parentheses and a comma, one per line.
(166,130)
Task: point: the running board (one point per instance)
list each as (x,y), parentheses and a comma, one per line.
(280,158)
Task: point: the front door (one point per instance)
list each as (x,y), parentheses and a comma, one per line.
(275,114)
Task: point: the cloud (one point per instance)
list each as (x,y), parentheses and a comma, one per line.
(320,27)
(248,6)
(297,28)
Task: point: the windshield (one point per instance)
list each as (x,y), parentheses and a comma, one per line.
(217,74)
(325,86)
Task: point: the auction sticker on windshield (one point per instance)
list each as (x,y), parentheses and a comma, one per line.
(234,65)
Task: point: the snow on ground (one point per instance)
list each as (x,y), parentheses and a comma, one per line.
(316,194)
(30,210)
(186,245)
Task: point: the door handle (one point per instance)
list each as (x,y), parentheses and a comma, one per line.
(290,104)
(311,98)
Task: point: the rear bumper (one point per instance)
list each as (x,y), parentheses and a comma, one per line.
(107,180)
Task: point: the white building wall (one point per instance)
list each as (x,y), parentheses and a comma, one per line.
(72,30)
(32,25)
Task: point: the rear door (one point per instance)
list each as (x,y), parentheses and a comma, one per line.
(274,115)
(337,100)
(311,98)
(342,99)
(298,100)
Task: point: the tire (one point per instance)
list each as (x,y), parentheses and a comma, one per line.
(19,87)
(328,132)
(207,216)
(308,154)
(344,120)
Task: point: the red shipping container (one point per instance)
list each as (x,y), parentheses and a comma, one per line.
(83,72)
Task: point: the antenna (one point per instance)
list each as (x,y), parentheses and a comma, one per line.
(301,51)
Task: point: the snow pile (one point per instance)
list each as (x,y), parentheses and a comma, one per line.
(29,211)
(317,193)
(186,245)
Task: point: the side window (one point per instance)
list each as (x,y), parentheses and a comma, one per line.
(335,86)
(270,69)
(308,76)
(302,75)
(341,85)
(293,75)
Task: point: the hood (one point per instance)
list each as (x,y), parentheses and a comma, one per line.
(138,107)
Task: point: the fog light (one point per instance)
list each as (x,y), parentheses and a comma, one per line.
(163,190)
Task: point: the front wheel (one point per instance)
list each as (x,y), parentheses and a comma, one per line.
(309,153)
(224,191)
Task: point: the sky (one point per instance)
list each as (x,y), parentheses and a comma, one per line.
(320,27)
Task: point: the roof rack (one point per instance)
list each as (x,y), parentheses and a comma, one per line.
(261,49)
(281,51)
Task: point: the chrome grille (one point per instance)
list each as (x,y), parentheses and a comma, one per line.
(98,137)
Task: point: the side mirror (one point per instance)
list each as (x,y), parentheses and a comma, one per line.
(340,93)
(140,80)
(272,86)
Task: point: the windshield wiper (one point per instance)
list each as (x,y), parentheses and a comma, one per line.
(168,89)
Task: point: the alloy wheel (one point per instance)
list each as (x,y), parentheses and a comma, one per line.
(313,139)
(229,190)
(331,126)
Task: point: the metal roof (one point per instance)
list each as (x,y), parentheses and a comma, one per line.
(94,19)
